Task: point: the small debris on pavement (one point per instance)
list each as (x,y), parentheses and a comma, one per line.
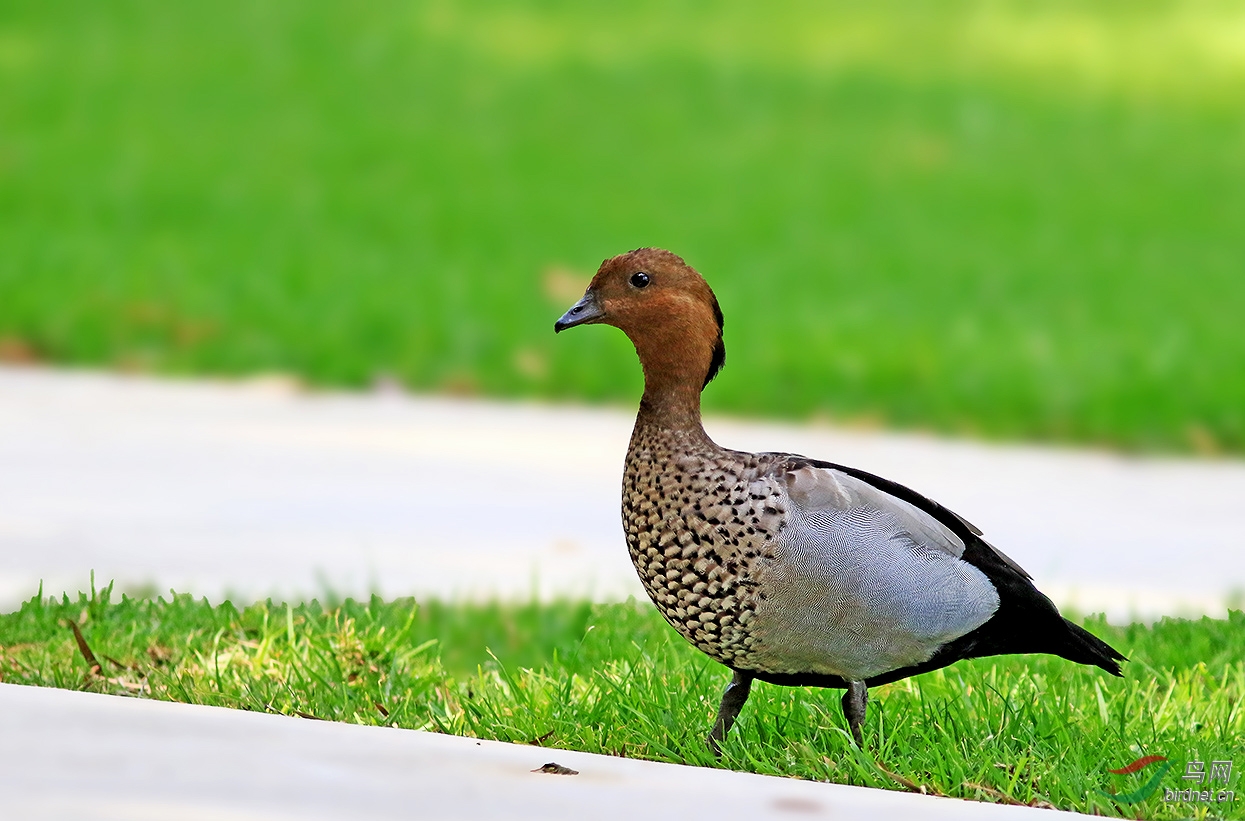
(555,769)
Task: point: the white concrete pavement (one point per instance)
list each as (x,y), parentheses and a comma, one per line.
(71,755)
(260,489)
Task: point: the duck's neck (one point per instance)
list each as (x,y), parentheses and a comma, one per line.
(673,412)
(675,358)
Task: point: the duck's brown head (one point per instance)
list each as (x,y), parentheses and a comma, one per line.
(665,308)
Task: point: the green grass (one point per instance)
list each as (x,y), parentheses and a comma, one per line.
(615,679)
(1009,218)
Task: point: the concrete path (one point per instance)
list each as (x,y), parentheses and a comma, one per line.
(260,489)
(68,755)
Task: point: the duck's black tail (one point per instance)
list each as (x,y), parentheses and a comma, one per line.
(1084,647)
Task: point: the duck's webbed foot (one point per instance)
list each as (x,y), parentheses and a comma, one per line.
(732,702)
(855,701)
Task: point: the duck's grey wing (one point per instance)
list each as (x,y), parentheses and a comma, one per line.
(863,582)
(1026,621)
(961,528)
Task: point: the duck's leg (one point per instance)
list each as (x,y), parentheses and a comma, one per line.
(854,702)
(732,702)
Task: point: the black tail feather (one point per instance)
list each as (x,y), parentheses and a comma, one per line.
(1084,647)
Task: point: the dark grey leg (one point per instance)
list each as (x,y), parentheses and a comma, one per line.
(854,702)
(732,702)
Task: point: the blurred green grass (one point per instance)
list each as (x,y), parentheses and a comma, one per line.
(1012,219)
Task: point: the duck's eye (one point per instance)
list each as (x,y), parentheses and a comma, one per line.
(640,279)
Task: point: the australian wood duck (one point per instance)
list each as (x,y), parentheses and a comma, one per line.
(788,569)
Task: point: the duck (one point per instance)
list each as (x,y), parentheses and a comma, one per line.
(787,569)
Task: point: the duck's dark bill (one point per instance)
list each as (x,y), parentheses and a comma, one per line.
(587,309)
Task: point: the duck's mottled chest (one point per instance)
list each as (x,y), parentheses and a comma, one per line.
(700,524)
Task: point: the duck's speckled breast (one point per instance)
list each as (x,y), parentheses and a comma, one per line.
(700,524)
